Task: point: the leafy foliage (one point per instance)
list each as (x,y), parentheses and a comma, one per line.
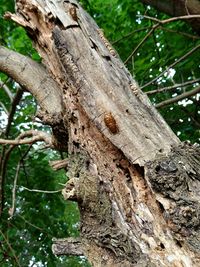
(25,239)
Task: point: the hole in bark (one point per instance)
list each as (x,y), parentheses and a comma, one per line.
(83,128)
(75,131)
(107,58)
(118,165)
(76,144)
(160,206)
(113,224)
(127,111)
(73,118)
(139,169)
(107,236)
(162,245)
(157,168)
(179,243)
(59,23)
(87,163)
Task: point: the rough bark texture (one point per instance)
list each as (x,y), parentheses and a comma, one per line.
(177,8)
(136,186)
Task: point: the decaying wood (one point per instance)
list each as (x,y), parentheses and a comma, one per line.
(67,246)
(74,54)
(121,152)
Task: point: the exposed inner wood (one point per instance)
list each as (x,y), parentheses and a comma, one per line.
(115,138)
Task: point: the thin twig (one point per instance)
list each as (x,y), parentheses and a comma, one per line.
(3,163)
(159,22)
(172,87)
(12,209)
(172,65)
(5,154)
(21,142)
(15,102)
(36,136)
(129,34)
(4,108)
(178,98)
(161,28)
(42,191)
(6,89)
(140,44)
(181,33)
(11,249)
(33,225)
(20,163)
(171,19)
(190,115)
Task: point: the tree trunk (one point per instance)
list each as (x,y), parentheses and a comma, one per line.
(135,183)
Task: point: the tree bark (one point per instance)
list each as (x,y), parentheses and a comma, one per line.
(135,183)
(177,8)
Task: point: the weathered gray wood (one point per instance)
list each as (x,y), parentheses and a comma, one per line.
(102,84)
(113,132)
(33,77)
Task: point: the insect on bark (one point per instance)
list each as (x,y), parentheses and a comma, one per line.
(111,123)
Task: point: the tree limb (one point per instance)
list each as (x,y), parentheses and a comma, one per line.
(160,90)
(178,8)
(42,191)
(59,164)
(178,98)
(33,77)
(188,17)
(36,136)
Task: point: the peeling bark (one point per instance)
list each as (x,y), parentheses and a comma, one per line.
(67,246)
(116,140)
(176,181)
